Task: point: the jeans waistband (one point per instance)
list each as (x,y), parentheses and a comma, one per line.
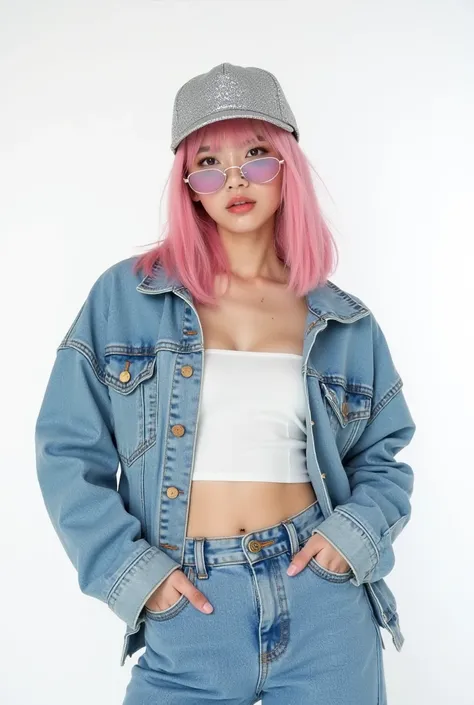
(255,545)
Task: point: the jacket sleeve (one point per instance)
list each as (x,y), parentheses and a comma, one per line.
(364,527)
(77,463)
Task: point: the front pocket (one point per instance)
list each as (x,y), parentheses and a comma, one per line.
(329,575)
(130,375)
(345,403)
(179,605)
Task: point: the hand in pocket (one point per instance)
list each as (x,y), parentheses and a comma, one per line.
(328,557)
(171,589)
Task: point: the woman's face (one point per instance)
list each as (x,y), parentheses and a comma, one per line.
(266,196)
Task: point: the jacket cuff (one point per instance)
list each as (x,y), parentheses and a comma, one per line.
(352,542)
(134,587)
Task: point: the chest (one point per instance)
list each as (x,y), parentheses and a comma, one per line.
(153,366)
(259,321)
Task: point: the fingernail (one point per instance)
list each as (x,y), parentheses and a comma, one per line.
(208,608)
(292,570)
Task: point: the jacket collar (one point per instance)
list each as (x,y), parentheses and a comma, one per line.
(327,301)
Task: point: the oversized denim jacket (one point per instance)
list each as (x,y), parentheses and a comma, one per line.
(124,391)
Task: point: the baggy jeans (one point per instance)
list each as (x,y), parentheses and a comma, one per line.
(309,639)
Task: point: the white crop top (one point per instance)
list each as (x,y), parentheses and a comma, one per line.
(252,418)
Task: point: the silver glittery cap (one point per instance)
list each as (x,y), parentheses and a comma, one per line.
(229,91)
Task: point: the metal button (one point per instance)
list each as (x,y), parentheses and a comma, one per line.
(186,370)
(125,375)
(177,430)
(312,423)
(323,475)
(255,546)
(172,492)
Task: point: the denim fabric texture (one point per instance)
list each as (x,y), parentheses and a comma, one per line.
(124,390)
(311,638)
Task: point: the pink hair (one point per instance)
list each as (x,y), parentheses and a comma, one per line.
(192,251)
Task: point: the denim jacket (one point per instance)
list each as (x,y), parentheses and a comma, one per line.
(125,390)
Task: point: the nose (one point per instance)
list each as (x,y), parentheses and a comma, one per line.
(235,178)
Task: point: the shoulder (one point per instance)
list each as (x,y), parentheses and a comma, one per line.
(334,302)
(111,286)
(366,321)
(362,333)
(120,274)
(375,345)
(344,295)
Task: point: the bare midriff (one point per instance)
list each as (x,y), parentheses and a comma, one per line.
(257,317)
(222,508)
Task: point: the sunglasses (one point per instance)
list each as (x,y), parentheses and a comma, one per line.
(259,171)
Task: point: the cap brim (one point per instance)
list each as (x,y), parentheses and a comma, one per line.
(226,115)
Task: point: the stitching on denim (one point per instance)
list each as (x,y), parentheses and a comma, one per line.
(285,617)
(88,354)
(124,578)
(179,605)
(355,521)
(387,397)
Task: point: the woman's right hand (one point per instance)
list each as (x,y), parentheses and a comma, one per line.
(171,589)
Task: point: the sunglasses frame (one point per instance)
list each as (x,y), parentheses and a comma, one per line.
(223,171)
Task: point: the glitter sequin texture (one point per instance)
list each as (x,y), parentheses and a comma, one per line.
(228,91)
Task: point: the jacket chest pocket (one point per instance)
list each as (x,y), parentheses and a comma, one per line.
(345,405)
(130,374)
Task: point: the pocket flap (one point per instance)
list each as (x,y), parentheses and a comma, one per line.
(126,366)
(348,402)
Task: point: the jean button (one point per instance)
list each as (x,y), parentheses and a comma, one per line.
(255,546)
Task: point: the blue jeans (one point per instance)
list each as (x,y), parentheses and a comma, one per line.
(310,638)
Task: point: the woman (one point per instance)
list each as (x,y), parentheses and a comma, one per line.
(216,385)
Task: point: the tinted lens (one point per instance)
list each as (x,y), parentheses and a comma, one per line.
(261,170)
(207,181)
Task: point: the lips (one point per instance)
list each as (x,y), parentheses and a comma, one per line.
(239,200)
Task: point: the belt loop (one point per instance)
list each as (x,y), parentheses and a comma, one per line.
(199,561)
(293,534)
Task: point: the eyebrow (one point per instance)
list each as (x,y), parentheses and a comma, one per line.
(206,147)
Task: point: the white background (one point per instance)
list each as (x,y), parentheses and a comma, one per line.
(383,95)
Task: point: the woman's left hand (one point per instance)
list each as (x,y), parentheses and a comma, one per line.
(328,556)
